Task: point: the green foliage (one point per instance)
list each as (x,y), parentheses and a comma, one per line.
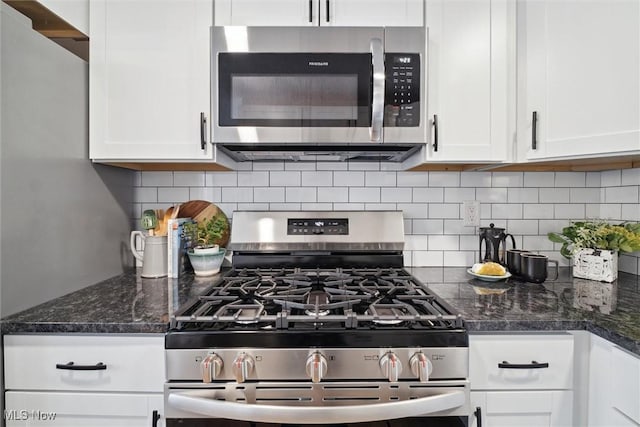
(597,234)
(209,232)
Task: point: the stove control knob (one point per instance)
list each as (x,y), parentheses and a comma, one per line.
(391,366)
(211,367)
(242,367)
(421,366)
(316,367)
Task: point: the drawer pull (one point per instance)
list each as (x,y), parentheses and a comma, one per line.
(73,367)
(532,365)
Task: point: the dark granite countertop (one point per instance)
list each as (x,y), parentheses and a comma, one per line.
(131,304)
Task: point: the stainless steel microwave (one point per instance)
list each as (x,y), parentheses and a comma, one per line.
(300,92)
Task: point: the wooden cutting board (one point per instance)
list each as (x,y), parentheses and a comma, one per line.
(201,211)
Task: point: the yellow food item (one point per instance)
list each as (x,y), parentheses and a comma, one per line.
(491,269)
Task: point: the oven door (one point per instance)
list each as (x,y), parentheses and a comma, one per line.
(438,403)
(292,85)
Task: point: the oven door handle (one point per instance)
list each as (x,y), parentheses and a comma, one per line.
(377,103)
(203,402)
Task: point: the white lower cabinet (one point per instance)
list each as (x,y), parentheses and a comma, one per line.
(84,380)
(614,386)
(521,380)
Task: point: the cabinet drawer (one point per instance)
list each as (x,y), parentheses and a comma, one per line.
(625,375)
(488,354)
(133,363)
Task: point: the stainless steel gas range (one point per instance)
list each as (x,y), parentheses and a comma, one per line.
(317,323)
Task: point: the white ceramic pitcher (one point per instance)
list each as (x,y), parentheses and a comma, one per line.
(154,256)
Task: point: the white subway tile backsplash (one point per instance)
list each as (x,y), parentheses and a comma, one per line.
(284,179)
(584,195)
(364,166)
(594,179)
(332,166)
(412,179)
(485,211)
(390,166)
(537,211)
(317,206)
(173,194)
(475,179)
(145,194)
(416,243)
(268,166)
(444,179)
(460,258)
(495,195)
(300,194)
(253,206)
(537,243)
(444,210)
(428,258)
(522,195)
(507,179)
(522,226)
(546,226)
(300,166)
(284,206)
(210,194)
(317,179)
(221,179)
(470,243)
(413,210)
(348,179)
(592,210)
(539,179)
(268,194)
(253,179)
(459,195)
(428,195)
(380,179)
(407,258)
(408,226)
(136,179)
(630,212)
(348,206)
(630,177)
(395,195)
(188,179)
(611,178)
(228,208)
(457,227)
(364,195)
(627,194)
(506,211)
(570,179)
(554,195)
(628,264)
(611,211)
(157,179)
(333,194)
(428,226)
(238,194)
(569,211)
(379,206)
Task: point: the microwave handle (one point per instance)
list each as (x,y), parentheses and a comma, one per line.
(377,106)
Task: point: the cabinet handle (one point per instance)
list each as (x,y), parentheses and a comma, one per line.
(532,365)
(73,367)
(435,132)
(534,131)
(478,414)
(203,131)
(328,12)
(155,417)
(310,11)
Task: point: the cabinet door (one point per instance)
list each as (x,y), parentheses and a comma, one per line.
(578,68)
(149,79)
(468,79)
(26,409)
(523,408)
(371,13)
(272,13)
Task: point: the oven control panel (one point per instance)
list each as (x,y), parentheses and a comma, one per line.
(317,226)
(402,93)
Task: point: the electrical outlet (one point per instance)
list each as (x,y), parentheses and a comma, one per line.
(471,210)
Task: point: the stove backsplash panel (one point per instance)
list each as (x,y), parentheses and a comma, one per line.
(528,204)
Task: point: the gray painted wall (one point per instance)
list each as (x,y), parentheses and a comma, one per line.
(64,221)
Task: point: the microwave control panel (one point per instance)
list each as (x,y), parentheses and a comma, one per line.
(402,93)
(317,226)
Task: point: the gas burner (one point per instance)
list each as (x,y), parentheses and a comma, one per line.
(241,312)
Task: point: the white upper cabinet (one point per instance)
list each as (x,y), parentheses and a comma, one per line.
(149,79)
(470,69)
(578,73)
(351,13)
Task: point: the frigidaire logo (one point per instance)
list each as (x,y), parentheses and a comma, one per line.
(318,64)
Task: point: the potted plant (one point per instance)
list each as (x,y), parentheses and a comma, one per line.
(205,255)
(594,246)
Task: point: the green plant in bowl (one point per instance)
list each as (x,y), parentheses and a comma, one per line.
(597,234)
